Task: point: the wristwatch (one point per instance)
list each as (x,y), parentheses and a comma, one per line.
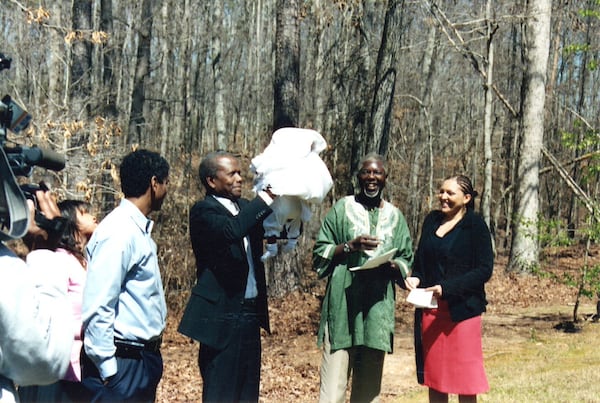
(347,248)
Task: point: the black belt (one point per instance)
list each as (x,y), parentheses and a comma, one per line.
(249,305)
(249,302)
(133,348)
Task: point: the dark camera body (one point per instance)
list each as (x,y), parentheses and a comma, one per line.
(19,161)
(23,159)
(4,62)
(13,116)
(53,226)
(29,190)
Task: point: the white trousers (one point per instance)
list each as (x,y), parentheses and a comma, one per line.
(364,364)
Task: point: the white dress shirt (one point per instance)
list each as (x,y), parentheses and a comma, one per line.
(251,289)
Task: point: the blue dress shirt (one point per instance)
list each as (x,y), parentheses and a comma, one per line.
(123,296)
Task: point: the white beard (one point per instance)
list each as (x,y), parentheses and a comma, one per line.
(372,195)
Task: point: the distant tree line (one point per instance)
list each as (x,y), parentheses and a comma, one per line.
(503,91)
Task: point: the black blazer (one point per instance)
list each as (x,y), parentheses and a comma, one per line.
(222,268)
(462,269)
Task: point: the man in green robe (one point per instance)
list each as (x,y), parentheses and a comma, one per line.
(357,317)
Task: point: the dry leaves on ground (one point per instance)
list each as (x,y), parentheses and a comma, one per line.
(290,365)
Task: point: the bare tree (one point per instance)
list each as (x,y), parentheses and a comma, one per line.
(423,137)
(56,65)
(284,272)
(362,85)
(108,105)
(81,49)
(286,86)
(338,78)
(216,59)
(142,71)
(385,78)
(486,204)
(524,250)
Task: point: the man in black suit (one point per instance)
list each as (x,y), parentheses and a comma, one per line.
(228,304)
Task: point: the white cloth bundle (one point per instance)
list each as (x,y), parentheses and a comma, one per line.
(292,167)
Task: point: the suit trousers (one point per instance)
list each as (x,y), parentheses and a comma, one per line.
(232,374)
(363,363)
(61,391)
(136,379)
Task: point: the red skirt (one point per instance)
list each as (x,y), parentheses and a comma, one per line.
(452,353)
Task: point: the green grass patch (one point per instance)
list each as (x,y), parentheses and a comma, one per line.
(528,362)
(557,367)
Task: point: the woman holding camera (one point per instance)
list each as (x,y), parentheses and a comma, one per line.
(80,225)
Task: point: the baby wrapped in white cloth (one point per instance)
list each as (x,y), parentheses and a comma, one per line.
(292,167)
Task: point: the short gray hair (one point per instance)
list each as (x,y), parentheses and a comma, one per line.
(209,166)
(372,157)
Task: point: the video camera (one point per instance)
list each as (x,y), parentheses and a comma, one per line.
(16,161)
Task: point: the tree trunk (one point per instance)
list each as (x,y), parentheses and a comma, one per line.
(108,106)
(525,249)
(81,77)
(80,89)
(362,91)
(284,271)
(582,100)
(182,74)
(422,137)
(316,64)
(56,67)
(217,24)
(287,65)
(165,111)
(142,71)
(385,79)
(487,126)
(256,63)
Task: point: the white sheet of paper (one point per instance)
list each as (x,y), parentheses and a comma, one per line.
(376,261)
(421,298)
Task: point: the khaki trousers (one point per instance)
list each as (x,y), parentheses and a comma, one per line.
(363,363)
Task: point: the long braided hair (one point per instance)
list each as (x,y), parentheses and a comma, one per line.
(465,184)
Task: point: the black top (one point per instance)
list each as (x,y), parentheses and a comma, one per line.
(461,262)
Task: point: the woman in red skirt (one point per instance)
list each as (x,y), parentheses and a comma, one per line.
(454,259)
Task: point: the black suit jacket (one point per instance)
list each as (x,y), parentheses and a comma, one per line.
(462,269)
(222,268)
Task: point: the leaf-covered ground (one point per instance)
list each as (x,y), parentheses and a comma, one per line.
(290,365)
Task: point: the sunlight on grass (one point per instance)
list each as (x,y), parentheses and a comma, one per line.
(556,367)
(549,366)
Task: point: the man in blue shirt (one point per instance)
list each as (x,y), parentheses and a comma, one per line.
(124,309)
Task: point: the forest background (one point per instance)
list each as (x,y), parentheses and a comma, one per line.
(503,91)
